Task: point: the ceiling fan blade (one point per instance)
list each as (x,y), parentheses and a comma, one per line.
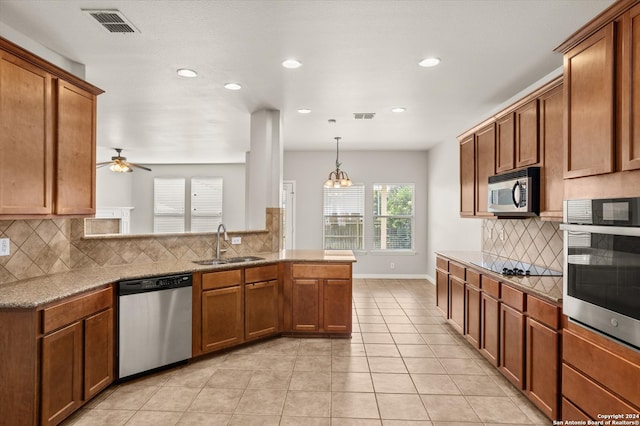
(104,163)
(138,166)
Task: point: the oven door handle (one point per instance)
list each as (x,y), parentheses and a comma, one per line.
(599,229)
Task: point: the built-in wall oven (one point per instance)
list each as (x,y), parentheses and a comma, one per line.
(602,266)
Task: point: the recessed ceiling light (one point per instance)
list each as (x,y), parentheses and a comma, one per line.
(185,72)
(304,111)
(429,62)
(291,63)
(232,86)
(398,109)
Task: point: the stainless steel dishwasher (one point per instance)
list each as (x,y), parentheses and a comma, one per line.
(154,323)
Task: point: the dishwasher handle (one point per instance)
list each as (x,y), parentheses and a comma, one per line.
(145,285)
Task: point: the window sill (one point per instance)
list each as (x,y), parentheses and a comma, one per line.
(393,252)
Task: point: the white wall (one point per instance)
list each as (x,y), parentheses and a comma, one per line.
(136,190)
(26,43)
(310,170)
(446,229)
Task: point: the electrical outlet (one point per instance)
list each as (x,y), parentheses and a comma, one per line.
(501,234)
(236,240)
(392,265)
(5,247)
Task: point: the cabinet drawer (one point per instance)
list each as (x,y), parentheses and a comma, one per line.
(75,309)
(490,286)
(604,366)
(442,263)
(261,273)
(457,270)
(473,278)
(590,397)
(512,297)
(221,279)
(543,312)
(571,412)
(320,270)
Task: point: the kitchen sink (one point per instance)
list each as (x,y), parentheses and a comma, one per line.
(239,259)
(211,262)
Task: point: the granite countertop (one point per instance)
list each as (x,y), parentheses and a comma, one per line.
(37,291)
(547,287)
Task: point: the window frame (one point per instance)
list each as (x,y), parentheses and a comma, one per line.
(361,237)
(412,217)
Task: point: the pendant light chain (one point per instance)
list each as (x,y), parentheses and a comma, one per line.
(338,178)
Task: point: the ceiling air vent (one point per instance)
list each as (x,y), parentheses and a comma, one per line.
(364,115)
(112,21)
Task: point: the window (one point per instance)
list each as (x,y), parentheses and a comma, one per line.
(393,216)
(168,205)
(344,218)
(206,204)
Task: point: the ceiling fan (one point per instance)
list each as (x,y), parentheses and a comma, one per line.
(119,164)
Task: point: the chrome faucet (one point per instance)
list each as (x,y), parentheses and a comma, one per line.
(226,238)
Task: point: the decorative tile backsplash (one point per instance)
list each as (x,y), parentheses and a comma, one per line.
(529,240)
(46,246)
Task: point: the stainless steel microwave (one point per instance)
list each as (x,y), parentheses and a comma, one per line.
(515,193)
(602,266)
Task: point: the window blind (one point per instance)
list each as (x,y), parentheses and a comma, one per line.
(206,203)
(343,214)
(168,204)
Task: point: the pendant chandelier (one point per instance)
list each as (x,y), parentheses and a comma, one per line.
(338,178)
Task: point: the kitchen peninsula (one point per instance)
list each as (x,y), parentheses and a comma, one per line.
(57,331)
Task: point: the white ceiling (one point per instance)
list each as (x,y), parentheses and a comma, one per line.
(358,56)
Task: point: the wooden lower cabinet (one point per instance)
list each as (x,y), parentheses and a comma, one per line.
(456,303)
(261,301)
(511,362)
(490,328)
(98,353)
(442,285)
(222,318)
(337,313)
(542,382)
(61,373)
(78,359)
(442,292)
(305,304)
(598,375)
(472,314)
(319,298)
(261,309)
(519,333)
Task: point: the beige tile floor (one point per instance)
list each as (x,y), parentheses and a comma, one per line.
(403,366)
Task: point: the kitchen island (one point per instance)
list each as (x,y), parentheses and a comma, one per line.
(57,332)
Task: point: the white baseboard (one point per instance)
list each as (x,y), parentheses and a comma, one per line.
(394,276)
(431,279)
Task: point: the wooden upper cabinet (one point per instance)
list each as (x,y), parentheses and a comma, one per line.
(505,142)
(589,77)
(26,142)
(76,153)
(630,90)
(467,176)
(526,135)
(552,185)
(485,166)
(47,138)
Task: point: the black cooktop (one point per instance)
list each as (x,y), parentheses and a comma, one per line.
(510,267)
